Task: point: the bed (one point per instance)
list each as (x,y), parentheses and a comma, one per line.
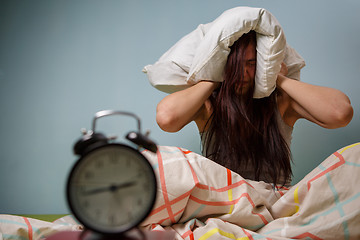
(35,226)
(199,199)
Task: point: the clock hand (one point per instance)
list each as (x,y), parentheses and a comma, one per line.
(122,185)
(111,188)
(97,190)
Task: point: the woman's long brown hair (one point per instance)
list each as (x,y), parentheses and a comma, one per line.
(242,130)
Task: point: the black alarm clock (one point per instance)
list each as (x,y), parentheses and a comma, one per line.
(111,188)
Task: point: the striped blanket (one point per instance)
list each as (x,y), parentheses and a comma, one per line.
(199,199)
(14,227)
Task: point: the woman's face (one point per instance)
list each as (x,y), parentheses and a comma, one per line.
(249,69)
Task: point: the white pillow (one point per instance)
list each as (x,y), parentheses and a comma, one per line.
(202,54)
(170,72)
(294,62)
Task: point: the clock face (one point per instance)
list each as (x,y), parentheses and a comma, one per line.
(111,189)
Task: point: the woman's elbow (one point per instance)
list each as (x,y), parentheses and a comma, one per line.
(166,120)
(343,115)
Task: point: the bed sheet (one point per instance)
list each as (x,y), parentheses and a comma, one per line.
(14,227)
(199,199)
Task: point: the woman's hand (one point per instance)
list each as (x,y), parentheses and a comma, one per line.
(284,69)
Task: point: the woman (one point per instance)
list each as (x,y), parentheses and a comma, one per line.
(251,136)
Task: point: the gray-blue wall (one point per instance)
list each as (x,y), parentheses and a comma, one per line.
(62,61)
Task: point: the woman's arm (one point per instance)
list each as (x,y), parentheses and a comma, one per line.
(327,107)
(179,108)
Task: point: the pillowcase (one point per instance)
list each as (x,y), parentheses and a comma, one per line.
(202,54)
(170,72)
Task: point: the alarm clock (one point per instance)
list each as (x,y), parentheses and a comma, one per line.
(111,188)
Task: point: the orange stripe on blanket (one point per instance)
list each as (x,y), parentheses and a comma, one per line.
(30,230)
(163,187)
(178,199)
(189,234)
(222,203)
(306,235)
(336,165)
(227,203)
(247,234)
(224,189)
(229,179)
(230,193)
(261,216)
(185,152)
(219,203)
(177,213)
(196,180)
(181,197)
